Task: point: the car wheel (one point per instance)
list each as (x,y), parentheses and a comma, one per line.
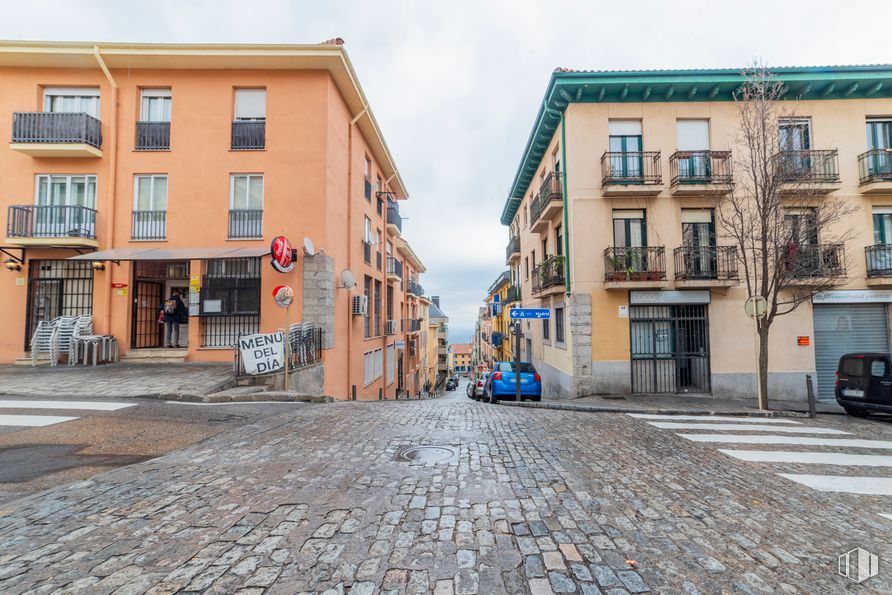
(855,412)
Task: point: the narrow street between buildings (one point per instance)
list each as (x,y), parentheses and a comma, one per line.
(510,500)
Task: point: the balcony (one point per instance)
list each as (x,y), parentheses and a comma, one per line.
(814,264)
(548,277)
(808,172)
(415,289)
(248,135)
(879,265)
(413,325)
(638,267)
(149,225)
(631,173)
(513,294)
(706,266)
(875,171)
(390,327)
(55,134)
(512,251)
(245,224)
(394,221)
(152,136)
(701,173)
(394,270)
(33,225)
(547,203)
(367,252)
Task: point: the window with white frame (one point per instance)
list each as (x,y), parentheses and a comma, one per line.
(250,104)
(372,366)
(66,191)
(155,105)
(391,364)
(246,192)
(150,193)
(72,100)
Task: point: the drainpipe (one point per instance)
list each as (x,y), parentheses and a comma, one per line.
(112,176)
(548,110)
(349,377)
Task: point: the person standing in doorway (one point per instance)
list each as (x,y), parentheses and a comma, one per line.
(172,313)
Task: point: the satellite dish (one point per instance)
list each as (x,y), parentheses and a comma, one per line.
(309,248)
(347,278)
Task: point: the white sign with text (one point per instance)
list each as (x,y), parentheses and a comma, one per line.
(262,353)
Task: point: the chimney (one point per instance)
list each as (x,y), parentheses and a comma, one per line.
(436,300)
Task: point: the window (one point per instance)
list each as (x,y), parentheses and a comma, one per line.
(150,193)
(367,319)
(556,159)
(377,240)
(879,368)
(692,135)
(559,324)
(377,308)
(801,226)
(526,267)
(368,169)
(697,228)
(558,241)
(544,248)
(533,259)
(66,191)
(372,365)
(546,329)
(246,192)
(882,225)
(155,105)
(235,283)
(71,100)
(794,134)
(629,228)
(853,366)
(525,214)
(250,104)
(391,364)
(390,302)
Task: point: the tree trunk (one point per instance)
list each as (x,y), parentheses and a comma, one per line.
(763,365)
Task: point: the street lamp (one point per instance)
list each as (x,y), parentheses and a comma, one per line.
(12,265)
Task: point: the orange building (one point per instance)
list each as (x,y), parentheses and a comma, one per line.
(461,353)
(136,171)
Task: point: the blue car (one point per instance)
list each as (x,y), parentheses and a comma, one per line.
(502,383)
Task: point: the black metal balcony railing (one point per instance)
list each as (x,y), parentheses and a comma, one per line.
(415,288)
(513,294)
(149,225)
(812,166)
(152,136)
(513,247)
(700,167)
(412,325)
(34,221)
(393,216)
(248,135)
(645,263)
(631,167)
(706,262)
(548,191)
(394,267)
(367,252)
(815,261)
(56,127)
(535,209)
(548,273)
(879,260)
(245,224)
(875,166)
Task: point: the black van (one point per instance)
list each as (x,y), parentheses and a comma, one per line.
(864,383)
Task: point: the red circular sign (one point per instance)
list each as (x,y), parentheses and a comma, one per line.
(283,254)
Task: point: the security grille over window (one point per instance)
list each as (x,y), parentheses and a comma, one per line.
(230,300)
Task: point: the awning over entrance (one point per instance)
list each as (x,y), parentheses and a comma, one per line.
(172,253)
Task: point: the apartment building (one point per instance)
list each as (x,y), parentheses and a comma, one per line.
(438,325)
(501,295)
(462,356)
(612,227)
(137,171)
(482,355)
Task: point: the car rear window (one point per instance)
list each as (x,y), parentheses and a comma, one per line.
(524,367)
(852,366)
(878,368)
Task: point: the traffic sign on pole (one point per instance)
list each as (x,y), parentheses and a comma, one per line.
(537,313)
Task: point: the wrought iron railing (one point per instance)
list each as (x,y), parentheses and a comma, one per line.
(393,216)
(644,263)
(879,260)
(56,127)
(535,209)
(700,167)
(225,330)
(706,262)
(551,187)
(875,166)
(512,294)
(394,267)
(513,247)
(415,288)
(248,134)
(814,261)
(548,273)
(631,167)
(149,225)
(50,221)
(152,136)
(412,325)
(812,166)
(245,224)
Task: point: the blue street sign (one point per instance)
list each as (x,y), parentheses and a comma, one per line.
(538,313)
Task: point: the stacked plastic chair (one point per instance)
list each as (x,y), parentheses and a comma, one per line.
(42,340)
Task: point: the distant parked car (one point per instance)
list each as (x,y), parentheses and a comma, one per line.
(502,383)
(479,385)
(451,384)
(864,383)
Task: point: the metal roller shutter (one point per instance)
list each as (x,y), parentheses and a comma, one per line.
(844,329)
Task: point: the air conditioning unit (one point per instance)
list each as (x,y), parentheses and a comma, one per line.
(360,305)
(390,327)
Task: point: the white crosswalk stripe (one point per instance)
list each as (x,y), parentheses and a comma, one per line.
(816,458)
(64,405)
(799,440)
(875,486)
(33,421)
(669,425)
(711,418)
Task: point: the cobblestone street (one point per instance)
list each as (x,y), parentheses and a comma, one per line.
(328,498)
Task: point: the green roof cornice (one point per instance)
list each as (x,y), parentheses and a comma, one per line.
(654,86)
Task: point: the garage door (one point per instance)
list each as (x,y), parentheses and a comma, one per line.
(844,329)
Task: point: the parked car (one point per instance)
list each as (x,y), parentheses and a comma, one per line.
(864,383)
(451,384)
(479,385)
(469,388)
(502,383)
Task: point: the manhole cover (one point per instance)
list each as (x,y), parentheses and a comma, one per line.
(425,454)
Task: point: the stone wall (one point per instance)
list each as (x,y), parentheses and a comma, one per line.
(579,320)
(318,296)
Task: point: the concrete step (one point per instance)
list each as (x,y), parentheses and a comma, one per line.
(155,356)
(25,360)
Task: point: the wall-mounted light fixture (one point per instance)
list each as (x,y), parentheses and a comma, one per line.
(98,265)
(12,265)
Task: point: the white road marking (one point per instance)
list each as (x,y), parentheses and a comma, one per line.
(875,486)
(708,418)
(80,405)
(745,427)
(816,458)
(885,515)
(800,440)
(34,421)
(237,403)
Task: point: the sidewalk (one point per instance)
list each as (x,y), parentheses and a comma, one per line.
(677,404)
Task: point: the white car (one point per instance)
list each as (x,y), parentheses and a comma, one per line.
(479,385)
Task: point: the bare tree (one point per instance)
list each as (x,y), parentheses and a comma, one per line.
(787,225)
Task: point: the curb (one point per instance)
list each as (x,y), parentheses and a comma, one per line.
(652,410)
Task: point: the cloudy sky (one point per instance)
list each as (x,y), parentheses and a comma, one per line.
(455,84)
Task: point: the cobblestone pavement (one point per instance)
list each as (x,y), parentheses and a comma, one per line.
(531,501)
(117,381)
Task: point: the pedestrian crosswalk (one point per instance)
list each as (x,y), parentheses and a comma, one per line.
(30,420)
(812,448)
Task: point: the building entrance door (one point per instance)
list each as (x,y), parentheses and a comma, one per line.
(669,349)
(153,282)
